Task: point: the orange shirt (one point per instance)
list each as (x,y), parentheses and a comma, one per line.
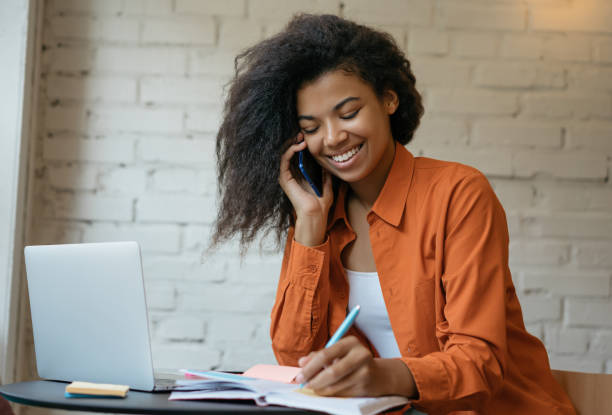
(440,243)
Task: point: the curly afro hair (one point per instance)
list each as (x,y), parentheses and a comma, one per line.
(260,116)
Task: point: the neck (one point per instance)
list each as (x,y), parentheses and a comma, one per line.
(368,189)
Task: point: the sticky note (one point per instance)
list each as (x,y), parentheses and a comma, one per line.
(285,374)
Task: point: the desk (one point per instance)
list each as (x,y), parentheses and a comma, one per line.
(50,394)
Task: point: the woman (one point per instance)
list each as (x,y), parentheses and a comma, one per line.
(420,244)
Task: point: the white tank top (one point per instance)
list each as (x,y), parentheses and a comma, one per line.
(373,319)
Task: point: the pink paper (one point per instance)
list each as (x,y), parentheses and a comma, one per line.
(285,374)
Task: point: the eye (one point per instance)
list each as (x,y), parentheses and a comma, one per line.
(350,115)
(310,130)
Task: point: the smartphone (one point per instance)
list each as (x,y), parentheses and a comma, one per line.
(311,171)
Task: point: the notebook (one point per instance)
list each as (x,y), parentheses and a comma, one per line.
(89,314)
(264,392)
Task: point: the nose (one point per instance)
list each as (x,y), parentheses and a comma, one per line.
(334,134)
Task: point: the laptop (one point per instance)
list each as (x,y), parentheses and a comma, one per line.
(89,314)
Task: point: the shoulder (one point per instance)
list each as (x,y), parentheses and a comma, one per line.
(448,176)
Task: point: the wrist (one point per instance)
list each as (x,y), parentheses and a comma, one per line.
(399,379)
(309,232)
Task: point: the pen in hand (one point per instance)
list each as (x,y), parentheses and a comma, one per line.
(344,327)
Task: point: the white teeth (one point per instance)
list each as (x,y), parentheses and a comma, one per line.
(344,157)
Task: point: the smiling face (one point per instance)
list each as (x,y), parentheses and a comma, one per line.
(346,126)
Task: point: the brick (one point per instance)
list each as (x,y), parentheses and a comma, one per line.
(440,130)
(516,133)
(540,308)
(465,101)
(256,270)
(514,195)
(567,283)
(102,150)
(588,312)
(274,10)
(519,75)
(111,29)
(70,60)
(495,164)
(176,209)
(196,238)
(127,60)
(442,72)
(190,91)
(564,198)
(602,50)
(151,238)
(50,233)
(204,119)
(211,62)
(179,31)
(602,343)
(160,296)
(565,105)
(569,225)
(471,45)
(564,340)
(521,47)
(201,151)
(233,328)
(567,165)
(535,330)
(594,78)
(181,328)
(148,7)
(126,181)
(428,42)
(591,136)
(494,17)
(580,17)
(212,297)
(212,7)
(173,355)
(567,48)
(139,120)
(73,177)
(86,6)
(408,12)
(93,207)
(92,89)
(576,363)
(189,268)
(594,254)
(539,252)
(239,33)
(175,180)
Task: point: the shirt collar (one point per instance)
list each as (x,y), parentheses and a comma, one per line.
(391,201)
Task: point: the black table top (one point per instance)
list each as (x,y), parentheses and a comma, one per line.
(50,394)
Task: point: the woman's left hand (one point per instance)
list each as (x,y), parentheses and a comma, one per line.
(348,369)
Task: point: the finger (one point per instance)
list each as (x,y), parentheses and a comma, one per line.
(350,385)
(328,191)
(324,358)
(285,173)
(355,359)
(305,359)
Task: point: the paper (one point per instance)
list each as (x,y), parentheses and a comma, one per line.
(285,374)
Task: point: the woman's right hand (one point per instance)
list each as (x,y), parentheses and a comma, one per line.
(311,210)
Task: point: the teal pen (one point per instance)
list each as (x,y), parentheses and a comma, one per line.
(346,324)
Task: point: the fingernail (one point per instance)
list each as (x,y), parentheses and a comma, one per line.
(299,378)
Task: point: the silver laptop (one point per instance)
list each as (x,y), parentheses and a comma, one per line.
(89,314)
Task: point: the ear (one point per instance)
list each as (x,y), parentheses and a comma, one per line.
(390,101)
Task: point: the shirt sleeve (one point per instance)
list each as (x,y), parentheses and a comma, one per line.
(475,280)
(299,315)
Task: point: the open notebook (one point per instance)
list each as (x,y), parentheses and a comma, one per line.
(219,385)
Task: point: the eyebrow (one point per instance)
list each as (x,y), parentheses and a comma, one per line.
(336,107)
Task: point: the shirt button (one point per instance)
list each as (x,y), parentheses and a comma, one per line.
(312,268)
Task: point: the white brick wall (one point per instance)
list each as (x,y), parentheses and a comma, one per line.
(131,100)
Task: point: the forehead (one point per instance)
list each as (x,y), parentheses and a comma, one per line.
(326,91)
